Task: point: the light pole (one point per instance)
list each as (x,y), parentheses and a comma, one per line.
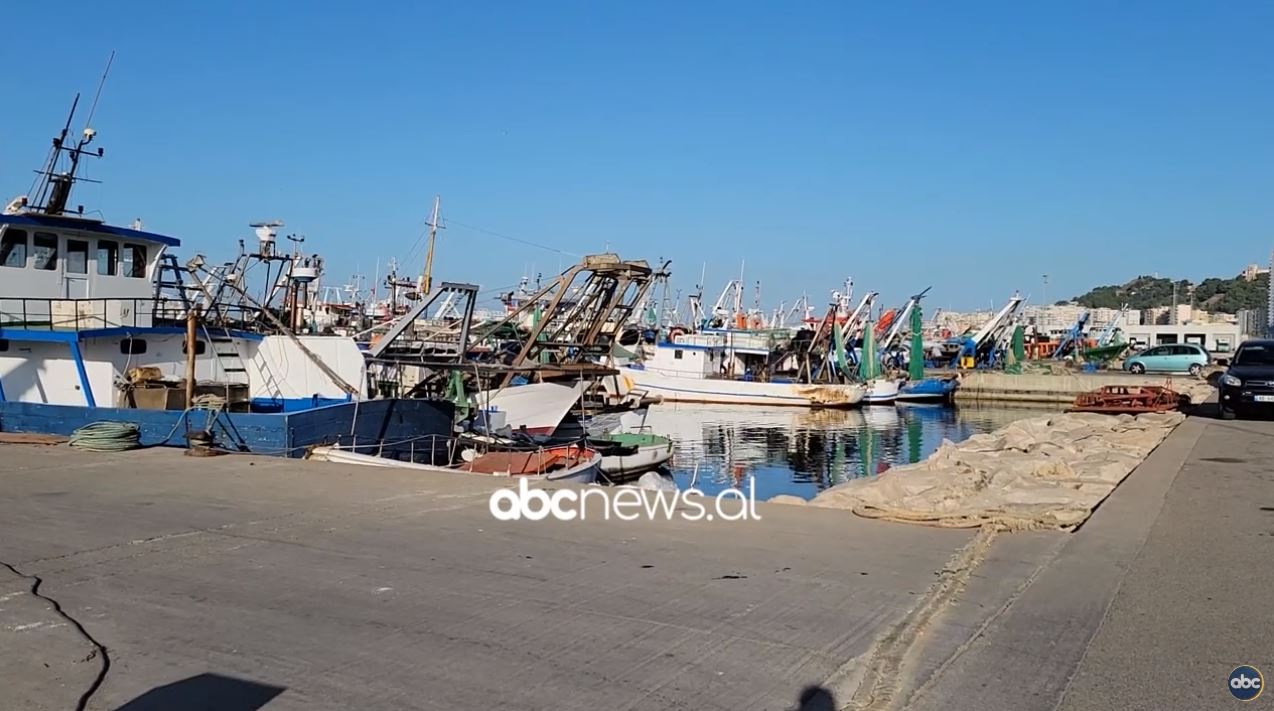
(1044,296)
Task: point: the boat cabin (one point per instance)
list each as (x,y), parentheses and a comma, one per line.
(43,256)
(79,309)
(691,356)
(70,272)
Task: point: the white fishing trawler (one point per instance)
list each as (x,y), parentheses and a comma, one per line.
(95,316)
(695,368)
(83,321)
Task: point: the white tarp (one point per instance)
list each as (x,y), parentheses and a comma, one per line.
(1038,473)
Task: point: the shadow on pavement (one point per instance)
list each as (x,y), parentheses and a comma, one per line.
(206,692)
(816,698)
(1212,411)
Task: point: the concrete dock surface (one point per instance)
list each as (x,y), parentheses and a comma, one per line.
(245,582)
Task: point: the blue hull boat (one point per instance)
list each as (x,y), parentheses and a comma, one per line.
(929,390)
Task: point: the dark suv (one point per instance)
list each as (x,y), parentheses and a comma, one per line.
(1249,383)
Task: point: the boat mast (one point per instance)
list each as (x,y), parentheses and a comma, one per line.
(756,299)
(53,191)
(426,279)
(696,301)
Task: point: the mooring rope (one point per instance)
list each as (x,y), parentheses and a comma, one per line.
(107,437)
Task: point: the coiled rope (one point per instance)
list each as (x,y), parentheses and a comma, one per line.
(107,437)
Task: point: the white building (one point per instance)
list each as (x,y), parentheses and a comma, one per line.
(1219,339)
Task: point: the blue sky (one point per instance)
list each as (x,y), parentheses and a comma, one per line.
(968,146)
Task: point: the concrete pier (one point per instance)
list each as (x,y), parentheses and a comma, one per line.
(1062,387)
(356,587)
(280,584)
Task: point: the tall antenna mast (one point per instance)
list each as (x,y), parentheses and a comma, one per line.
(54,191)
(426,279)
(101,83)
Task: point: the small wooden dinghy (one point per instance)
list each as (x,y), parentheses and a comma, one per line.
(573,462)
(570,462)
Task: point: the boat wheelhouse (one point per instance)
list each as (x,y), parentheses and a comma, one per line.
(82,304)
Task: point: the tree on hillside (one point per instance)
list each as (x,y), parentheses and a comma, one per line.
(1214,294)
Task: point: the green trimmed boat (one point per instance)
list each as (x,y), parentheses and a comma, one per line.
(1105,354)
(628,454)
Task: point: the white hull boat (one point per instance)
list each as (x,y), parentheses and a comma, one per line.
(538,407)
(640,453)
(646,459)
(673,388)
(881,392)
(569,463)
(693,372)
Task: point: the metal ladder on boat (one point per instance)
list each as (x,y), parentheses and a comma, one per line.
(225,353)
(171,285)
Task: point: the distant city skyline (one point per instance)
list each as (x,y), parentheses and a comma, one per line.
(972,149)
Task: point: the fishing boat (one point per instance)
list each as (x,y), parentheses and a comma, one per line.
(880,389)
(930,390)
(1106,353)
(628,454)
(623,453)
(564,463)
(102,322)
(693,370)
(919,389)
(534,408)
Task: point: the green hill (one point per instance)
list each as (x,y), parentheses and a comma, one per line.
(1213,294)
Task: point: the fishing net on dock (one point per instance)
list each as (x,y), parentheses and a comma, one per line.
(1038,473)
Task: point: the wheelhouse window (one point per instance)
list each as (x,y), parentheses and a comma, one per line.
(134,261)
(107,257)
(44,251)
(13,249)
(200,348)
(76,256)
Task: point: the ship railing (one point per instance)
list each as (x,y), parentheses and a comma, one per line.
(48,314)
(51,314)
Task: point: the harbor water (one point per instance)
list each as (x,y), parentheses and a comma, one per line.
(802,452)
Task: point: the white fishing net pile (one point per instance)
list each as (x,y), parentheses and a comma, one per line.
(1038,473)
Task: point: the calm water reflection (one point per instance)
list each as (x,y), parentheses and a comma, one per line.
(802,452)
